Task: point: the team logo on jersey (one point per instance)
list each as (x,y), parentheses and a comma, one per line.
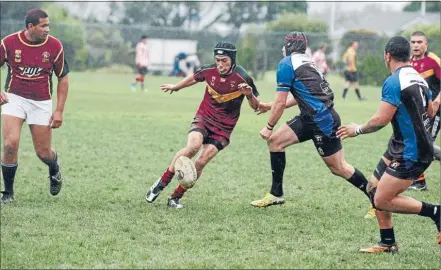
(394,164)
(45,56)
(233,84)
(213,79)
(223,80)
(17,56)
(30,71)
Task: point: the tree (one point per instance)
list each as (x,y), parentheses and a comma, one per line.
(430,6)
(172,14)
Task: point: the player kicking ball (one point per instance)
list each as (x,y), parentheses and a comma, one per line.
(227,83)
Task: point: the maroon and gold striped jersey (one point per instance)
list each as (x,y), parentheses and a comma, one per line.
(429,68)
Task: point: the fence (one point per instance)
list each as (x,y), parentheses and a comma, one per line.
(96,45)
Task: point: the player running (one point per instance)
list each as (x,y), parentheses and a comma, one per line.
(227,85)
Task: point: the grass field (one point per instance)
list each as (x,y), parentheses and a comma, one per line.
(115,143)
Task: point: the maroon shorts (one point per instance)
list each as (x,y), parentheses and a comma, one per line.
(212,134)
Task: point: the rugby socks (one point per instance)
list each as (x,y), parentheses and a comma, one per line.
(359,181)
(430,210)
(52,164)
(387,236)
(166,177)
(421,177)
(142,86)
(278,162)
(8,172)
(178,192)
(345,91)
(357,91)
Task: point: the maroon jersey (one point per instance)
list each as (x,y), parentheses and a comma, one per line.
(222,100)
(30,65)
(429,69)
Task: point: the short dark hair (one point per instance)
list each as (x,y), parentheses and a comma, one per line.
(418,33)
(399,48)
(33,16)
(144,36)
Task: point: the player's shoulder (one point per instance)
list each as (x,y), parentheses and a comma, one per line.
(393,80)
(285,61)
(241,71)
(10,38)
(434,57)
(207,67)
(51,40)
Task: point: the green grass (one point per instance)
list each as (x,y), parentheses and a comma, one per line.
(115,143)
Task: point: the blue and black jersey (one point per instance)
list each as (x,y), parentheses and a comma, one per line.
(299,75)
(409,92)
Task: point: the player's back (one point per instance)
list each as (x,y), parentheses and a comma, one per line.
(407,90)
(306,83)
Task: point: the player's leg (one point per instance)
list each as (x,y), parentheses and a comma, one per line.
(346,84)
(209,151)
(142,78)
(42,137)
(292,132)
(421,184)
(357,86)
(194,143)
(11,129)
(137,79)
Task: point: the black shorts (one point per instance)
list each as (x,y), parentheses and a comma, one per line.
(306,129)
(143,70)
(351,76)
(435,125)
(399,168)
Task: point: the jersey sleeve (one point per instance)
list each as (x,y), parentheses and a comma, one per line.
(285,76)
(61,68)
(250,82)
(3,53)
(199,75)
(437,65)
(391,92)
(430,94)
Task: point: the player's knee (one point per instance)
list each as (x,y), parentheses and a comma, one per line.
(200,163)
(274,144)
(43,153)
(11,148)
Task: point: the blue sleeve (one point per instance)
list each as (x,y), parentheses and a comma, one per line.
(391,92)
(430,95)
(285,77)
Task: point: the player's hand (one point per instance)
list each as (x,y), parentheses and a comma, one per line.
(169,87)
(245,89)
(265,133)
(347,131)
(3,98)
(56,119)
(263,108)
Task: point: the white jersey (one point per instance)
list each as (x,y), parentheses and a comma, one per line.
(141,54)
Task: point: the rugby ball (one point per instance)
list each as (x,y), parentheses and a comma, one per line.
(185,172)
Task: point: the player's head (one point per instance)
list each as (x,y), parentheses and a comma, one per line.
(355,44)
(37,24)
(418,43)
(225,57)
(295,42)
(397,49)
(323,47)
(143,38)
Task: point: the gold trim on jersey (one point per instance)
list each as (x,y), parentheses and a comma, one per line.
(62,62)
(6,52)
(427,73)
(49,86)
(30,79)
(222,98)
(30,45)
(434,57)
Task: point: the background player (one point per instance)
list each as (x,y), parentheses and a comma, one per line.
(141,61)
(32,55)
(227,84)
(351,74)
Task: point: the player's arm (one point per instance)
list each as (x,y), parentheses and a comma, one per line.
(351,60)
(266,106)
(61,69)
(3,54)
(391,100)
(186,82)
